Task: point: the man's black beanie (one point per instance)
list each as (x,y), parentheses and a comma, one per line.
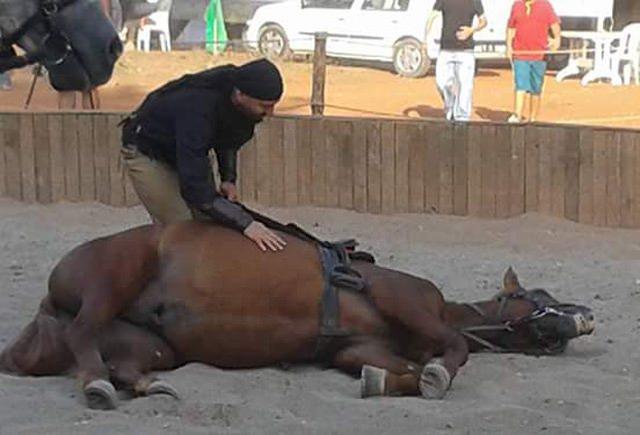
(259,79)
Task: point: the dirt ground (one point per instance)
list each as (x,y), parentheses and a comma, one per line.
(356,91)
(594,388)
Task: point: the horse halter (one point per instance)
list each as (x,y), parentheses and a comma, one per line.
(54,41)
(510,326)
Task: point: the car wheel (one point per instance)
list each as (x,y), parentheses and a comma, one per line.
(410,59)
(273,42)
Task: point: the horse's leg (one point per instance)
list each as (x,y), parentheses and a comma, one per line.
(97,310)
(382,372)
(131,352)
(431,334)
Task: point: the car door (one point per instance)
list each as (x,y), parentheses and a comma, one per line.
(369,29)
(324,16)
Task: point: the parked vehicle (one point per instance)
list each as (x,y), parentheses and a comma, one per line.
(389,30)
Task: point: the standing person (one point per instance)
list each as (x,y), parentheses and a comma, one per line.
(166,144)
(456,64)
(527,41)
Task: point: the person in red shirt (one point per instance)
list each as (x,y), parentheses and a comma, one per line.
(527,42)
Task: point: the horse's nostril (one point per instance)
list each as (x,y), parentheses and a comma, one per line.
(115,48)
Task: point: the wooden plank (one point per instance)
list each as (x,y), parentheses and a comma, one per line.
(248,171)
(558,170)
(627,187)
(445,170)
(360,165)
(27,158)
(114,157)
(57,157)
(503,171)
(11,132)
(636,181)
(86,159)
(460,169)
(276,153)
(318,162)
(572,175)
(532,152)
(303,139)
(374,185)
(290,163)
(417,163)
(101,158)
(3,167)
(388,167)
(517,172)
(600,143)
(333,138)
(474,186)
(586,177)
(433,137)
(263,164)
(614,188)
(71,157)
(402,174)
(489,177)
(42,158)
(545,165)
(345,165)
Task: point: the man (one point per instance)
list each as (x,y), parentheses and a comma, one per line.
(166,144)
(455,67)
(527,42)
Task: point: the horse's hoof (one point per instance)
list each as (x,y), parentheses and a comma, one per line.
(434,381)
(162,387)
(101,394)
(372,381)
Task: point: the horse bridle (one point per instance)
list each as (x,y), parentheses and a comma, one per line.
(47,11)
(509,326)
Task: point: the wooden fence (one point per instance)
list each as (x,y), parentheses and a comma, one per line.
(588,175)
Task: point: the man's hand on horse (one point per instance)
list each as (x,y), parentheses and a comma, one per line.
(229,190)
(264,237)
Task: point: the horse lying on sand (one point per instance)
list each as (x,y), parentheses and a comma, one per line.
(155,298)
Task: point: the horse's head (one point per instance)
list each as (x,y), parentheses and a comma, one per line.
(74,39)
(528,321)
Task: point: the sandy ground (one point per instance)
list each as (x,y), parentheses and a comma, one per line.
(356,91)
(593,389)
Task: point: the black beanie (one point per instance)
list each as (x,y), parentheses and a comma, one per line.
(259,79)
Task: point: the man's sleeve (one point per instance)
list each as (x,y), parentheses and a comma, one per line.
(512,18)
(227,164)
(193,135)
(552,16)
(437,6)
(478,8)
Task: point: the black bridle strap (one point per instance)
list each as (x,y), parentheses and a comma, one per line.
(46,10)
(488,345)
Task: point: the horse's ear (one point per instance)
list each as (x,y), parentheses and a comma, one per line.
(510,282)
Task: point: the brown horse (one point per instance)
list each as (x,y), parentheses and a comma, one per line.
(155,298)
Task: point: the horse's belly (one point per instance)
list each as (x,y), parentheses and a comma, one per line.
(241,341)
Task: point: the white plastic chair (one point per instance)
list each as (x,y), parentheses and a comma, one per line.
(160,24)
(627,55)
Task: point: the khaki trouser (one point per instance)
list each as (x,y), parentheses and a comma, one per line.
(157,187)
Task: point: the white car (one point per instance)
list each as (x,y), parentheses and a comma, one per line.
(383,30)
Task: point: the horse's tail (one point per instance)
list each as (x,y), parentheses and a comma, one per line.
(40,348)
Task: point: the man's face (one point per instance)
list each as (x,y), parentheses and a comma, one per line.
(252,108)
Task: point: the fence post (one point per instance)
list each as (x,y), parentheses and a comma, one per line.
(319,73)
